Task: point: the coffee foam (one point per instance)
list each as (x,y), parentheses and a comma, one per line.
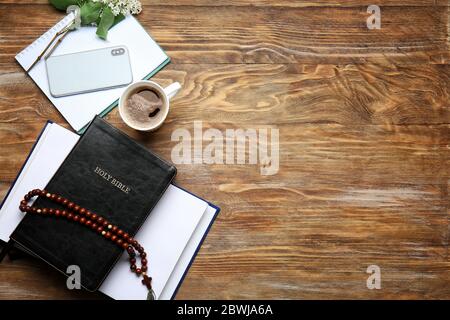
(144,108)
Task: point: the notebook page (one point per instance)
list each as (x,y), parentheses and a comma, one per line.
(50,151)
(145,57)
(27,56)
(164,236)
(189,251)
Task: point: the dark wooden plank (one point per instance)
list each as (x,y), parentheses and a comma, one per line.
(272,34)
(276,94)
(309,155)
(269,3)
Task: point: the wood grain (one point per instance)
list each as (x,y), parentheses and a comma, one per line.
(292,93)
(269,3)
(272,34)
(364,128)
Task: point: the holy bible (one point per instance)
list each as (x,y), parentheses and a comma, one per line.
(109,174)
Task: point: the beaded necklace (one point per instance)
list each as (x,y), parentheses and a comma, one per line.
(98,224)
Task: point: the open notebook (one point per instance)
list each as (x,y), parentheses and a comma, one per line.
(146,58)
(172,234)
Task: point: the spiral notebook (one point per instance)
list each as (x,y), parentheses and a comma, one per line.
(146,58)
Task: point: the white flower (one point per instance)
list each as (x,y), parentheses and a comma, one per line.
(124,7)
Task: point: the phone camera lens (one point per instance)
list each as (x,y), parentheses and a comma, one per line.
(117,52)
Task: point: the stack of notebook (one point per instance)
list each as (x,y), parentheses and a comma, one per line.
(146,58)
(168,221)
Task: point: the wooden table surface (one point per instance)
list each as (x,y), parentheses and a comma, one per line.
(363,119)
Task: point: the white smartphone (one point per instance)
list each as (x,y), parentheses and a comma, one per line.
(88,71)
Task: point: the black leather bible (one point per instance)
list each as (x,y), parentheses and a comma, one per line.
(111,175)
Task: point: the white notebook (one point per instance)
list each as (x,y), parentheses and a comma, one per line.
(146,58)
(171,235)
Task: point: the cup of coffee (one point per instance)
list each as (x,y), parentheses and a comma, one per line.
(144,105)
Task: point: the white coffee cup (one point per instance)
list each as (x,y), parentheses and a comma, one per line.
(164,93)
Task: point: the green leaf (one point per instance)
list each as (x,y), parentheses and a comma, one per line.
(90,12)
(106,21)
(62,4)
(117,19)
